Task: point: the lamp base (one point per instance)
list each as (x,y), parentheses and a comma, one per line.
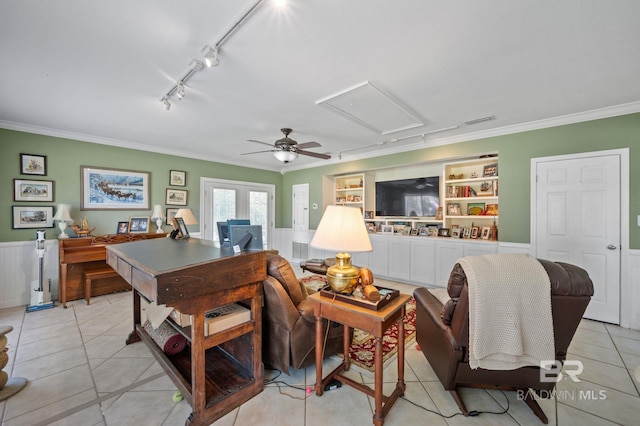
(343,277)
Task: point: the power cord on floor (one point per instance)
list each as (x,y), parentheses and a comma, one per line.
(472,413)
(274,381)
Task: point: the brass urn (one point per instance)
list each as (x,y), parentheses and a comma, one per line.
(343,277)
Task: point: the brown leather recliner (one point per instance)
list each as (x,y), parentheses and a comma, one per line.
(442,333)
(289,323)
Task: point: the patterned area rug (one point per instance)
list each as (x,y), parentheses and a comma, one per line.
(363,349)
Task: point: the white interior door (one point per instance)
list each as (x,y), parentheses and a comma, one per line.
(300,211)
(223,199)
(577,220)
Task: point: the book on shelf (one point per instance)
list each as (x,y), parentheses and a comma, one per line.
(224,317)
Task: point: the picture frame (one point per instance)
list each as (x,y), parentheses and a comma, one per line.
(114,189)
(475,231)
(170,214)
(423,231)
(31,164)
(491,210)
(432,230)
(32,190)
(371,227)
(466,232)
(443,232)
(489,170)
(486,233)
(439,213)
(475,209)
(368,214)
(138,224)
(177,178)
(29,217)
(453,209)
(179,224)
(387,229)
(176,197)
(455,231)
(123,228)
(414,231)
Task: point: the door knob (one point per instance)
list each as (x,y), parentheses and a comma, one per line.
(612,247)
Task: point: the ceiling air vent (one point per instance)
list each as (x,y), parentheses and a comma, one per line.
(479,120)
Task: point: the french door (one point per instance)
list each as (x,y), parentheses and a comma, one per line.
(226,199)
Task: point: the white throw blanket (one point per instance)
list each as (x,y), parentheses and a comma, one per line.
(510,321)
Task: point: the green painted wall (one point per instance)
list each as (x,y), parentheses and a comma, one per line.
(516,152)
(64,158)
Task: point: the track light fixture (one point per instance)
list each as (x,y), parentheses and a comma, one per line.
(180,91)
(167,104)
(211,56)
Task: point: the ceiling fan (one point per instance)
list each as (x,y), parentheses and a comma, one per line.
(287,150)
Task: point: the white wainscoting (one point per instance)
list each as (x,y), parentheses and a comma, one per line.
(19,267)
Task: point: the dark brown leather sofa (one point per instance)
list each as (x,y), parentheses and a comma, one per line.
(289,324)
(442,333)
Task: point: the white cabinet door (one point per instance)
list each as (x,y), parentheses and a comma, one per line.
(423,257)
(379,256)
(399,259)
(479,248)
(447,254)
(361,260)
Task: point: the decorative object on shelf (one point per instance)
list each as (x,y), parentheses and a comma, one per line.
(443,232)
(486,233)
(342,228)
(9,386)
(490,170)
(494,231)
(386,229)
(176,197)
(475,230)
(32,217)
(139,225)
(63,217)
(83,230)
(33,164)
(475,209)
(491,210)
(455,231)
(123,228)
(453,176)
(439,214)
(453,209)
(114,189)
(158,216)
(32,190)
(368,214)
(177,178)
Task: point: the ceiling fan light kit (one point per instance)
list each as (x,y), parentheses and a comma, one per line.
(285,156)
(286,149)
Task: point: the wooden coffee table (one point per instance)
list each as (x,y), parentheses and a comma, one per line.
(373,322)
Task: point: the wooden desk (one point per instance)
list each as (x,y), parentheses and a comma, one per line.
(374,322)
(215,374)
(78,255)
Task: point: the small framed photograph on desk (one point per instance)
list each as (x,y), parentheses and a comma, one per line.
(180,226)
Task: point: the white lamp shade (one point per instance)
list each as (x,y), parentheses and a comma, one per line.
(285,156)
(187,216)
(157,212)
(342,229)
(63,213)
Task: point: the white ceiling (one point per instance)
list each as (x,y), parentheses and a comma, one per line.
(96,71)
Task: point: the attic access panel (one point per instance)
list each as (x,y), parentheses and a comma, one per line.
(368,106)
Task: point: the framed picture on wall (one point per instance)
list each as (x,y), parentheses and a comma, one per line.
(33,164)
(171,213)
(176,197)
(32,190)
(32,217)
(113,189)
(177,178)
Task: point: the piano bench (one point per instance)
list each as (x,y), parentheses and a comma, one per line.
(97,274)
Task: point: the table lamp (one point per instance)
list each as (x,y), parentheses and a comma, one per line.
(342,228)
(63,217)
(158,216)
(187,216)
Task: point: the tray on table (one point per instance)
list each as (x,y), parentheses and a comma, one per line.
(386,296)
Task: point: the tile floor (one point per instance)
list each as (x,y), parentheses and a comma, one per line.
(80,372)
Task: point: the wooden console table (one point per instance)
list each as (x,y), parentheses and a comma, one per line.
(374,322)
(215,374)
(78,255)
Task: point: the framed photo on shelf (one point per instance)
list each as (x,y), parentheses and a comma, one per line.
(475,230)
(32,190)
(439,213)
(139,225)
(114,189)
(368,214)
(387,229)
(455,231)
(25,217)
(177,178)
(486,232)
(443,232)
(414,231)
(123,228)
(371,227)
(432,230)
(171,213)
(492,210)
(176,197)
(424,231)
(33,164)
(453,209)
(474,209)
(466,232)
(490,170)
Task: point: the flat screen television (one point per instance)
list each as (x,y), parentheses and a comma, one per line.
(408,197)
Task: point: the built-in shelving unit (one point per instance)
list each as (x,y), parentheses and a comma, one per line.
(356,190)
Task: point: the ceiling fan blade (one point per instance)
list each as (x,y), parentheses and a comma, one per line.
(258,152)
(263,143)
(314,154)
(306,145)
